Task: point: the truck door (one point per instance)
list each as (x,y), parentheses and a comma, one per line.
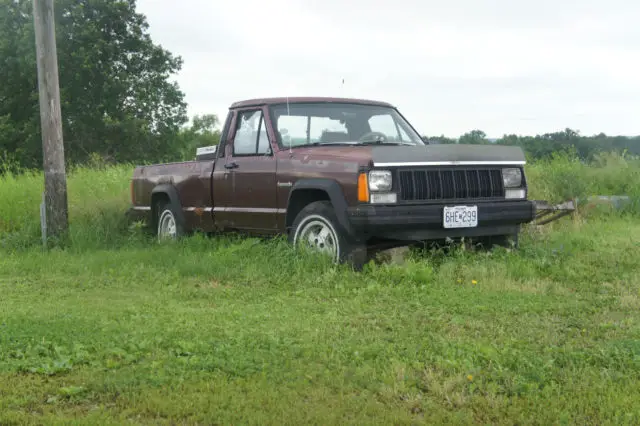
(250,167)
(221,178)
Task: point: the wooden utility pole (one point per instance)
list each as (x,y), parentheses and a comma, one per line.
(56,216)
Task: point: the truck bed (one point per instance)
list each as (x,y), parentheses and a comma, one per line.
(191,181)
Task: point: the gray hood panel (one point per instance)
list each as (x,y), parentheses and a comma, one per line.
(439,155)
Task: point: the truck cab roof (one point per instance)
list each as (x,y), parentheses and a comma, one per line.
(302,99)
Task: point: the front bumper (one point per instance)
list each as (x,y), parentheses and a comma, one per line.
(425,221)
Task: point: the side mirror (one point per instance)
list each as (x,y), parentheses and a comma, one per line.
(206,153)
(425,140)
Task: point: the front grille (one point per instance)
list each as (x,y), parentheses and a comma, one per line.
(449,184)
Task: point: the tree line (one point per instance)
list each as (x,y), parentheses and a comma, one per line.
(543,146)
(120,105)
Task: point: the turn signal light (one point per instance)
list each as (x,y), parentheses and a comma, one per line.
(363,188)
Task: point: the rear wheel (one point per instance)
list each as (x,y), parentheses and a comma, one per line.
(168,224)
(316,227)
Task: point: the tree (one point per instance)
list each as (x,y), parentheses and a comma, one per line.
(116,97)
(203,131)
(475,137)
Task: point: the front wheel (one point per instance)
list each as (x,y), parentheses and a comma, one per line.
(316,227)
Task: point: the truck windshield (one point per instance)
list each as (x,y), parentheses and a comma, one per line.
(303,124)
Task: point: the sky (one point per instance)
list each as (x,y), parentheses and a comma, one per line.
(501,66)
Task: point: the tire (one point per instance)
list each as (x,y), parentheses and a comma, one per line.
(168,226)
(317,223)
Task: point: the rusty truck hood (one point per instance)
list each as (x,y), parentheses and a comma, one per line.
(427,155)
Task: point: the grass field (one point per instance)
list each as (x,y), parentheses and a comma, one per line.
(118,328)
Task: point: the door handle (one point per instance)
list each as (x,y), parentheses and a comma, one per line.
(233,165)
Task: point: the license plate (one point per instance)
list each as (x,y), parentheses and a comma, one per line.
(460,217)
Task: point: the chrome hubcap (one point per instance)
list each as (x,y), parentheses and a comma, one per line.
(167,225)
(318,236)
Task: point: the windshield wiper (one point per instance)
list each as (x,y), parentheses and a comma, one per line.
(332,143)
(374,142)
(380,142)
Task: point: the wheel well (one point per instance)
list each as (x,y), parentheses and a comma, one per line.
(300,198)
(156,199)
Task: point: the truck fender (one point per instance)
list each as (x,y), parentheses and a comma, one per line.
(171,192)
(336,196)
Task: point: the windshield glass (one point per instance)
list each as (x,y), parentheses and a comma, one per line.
(302,124)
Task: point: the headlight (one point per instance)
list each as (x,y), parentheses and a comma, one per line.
(512,178)
(379,180)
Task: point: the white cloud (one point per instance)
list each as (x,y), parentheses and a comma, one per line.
(504,66)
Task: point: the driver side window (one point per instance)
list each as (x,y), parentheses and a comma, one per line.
(251,134)
(387,125)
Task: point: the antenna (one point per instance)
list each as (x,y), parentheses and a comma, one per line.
(289,114)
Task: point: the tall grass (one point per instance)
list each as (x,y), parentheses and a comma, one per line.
(564,177)
(98,200)
(99,197)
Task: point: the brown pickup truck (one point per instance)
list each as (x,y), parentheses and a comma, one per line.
(343,176)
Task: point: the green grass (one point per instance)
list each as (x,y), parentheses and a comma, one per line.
(118,328)
(97,202)
(563,177)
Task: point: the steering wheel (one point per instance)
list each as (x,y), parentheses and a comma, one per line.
(366,137)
